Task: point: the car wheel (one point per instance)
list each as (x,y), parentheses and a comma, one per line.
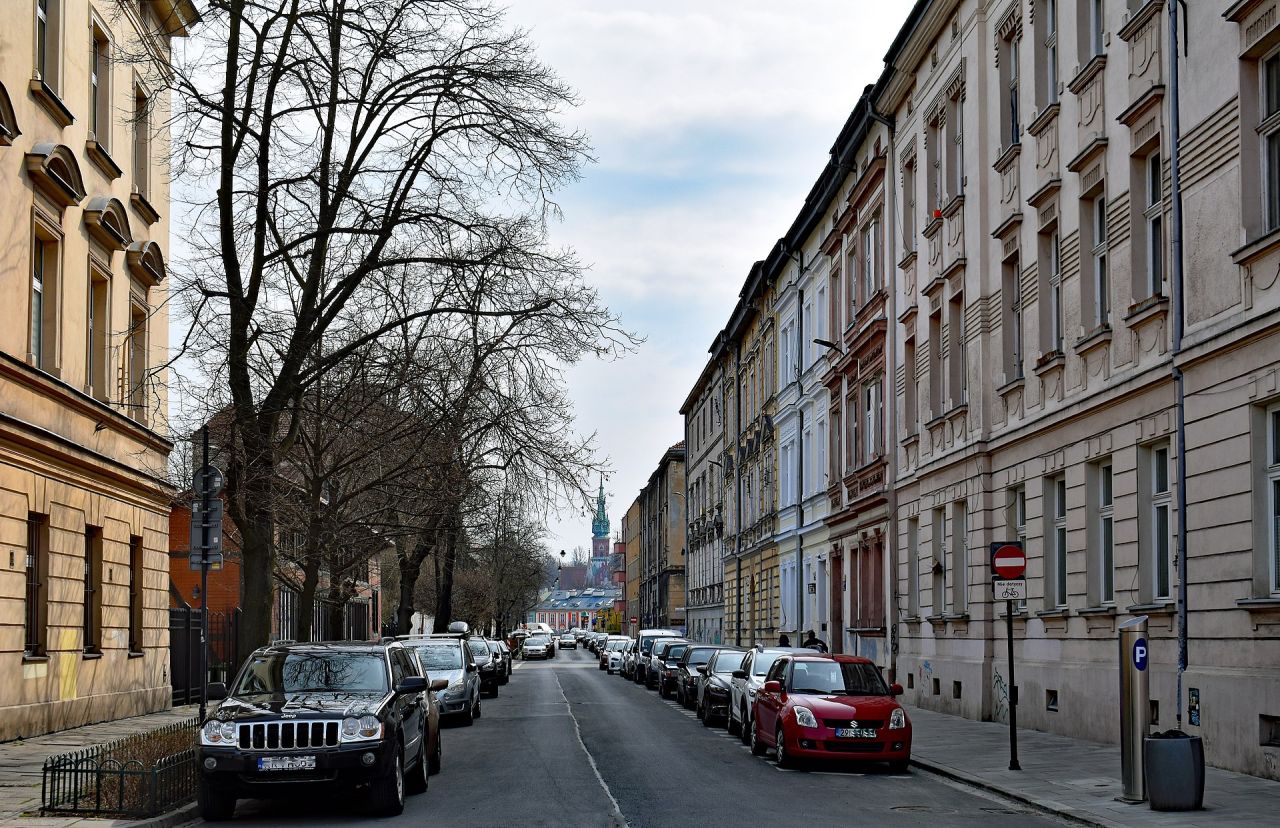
(478,711)
(388,792)
(744,732)
(215,804)
(784,758)
(758,748)
(469,715)
(418,778)
(433,766)
(731,725)
(701,712)
(899,766)
(680,696)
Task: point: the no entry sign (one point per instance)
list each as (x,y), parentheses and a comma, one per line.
(1008,560)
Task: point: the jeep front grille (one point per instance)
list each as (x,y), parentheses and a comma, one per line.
(288,735)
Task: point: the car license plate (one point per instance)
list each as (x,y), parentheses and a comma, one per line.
(856,732)
(286,763)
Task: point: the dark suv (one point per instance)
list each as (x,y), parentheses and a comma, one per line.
(489,664)
(346,713)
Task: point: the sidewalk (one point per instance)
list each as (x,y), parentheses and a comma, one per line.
(1075,779)
(21,762)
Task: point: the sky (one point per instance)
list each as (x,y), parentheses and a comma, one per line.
(710,120)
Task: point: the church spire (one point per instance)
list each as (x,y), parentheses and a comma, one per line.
(600,525)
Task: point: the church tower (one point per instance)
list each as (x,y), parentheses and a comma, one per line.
(598,574)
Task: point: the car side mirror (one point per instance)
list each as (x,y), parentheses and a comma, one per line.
(411,684)
(772,687)
(215,691)
(439,684)
(895,689)
(740,674)
(471,668)
(702,668)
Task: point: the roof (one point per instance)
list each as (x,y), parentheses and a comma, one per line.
(323,646)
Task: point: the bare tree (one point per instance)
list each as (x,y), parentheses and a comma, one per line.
(376,168)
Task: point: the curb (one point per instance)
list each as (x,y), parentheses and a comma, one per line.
(1046,806)
(187,813)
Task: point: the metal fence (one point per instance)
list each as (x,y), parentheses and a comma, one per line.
(184,651)
(137,776)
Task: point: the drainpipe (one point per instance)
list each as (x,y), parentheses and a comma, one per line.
(737,484)
(890,426)
(799,455)
(1175,186)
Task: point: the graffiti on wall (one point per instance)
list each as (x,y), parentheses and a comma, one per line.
(999,698)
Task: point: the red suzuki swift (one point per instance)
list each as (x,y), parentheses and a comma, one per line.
(830,707)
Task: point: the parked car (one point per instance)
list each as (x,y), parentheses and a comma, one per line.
(538,646)
(657,658)
(746,683)
(502,654)
(714,680)
(566,641)
(489,666)
(668,666)
(347,714)
(645,639)
(686,673)
(612,644)
(448,657)
(830,708)
(627,663)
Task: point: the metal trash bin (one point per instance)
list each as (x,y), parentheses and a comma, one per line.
(1174,766)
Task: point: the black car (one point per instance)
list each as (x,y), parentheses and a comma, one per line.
(348,714)
(490,667)
(714,679)
(686,678)
(502,653)
(669,667)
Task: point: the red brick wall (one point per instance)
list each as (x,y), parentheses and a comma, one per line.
(224,585)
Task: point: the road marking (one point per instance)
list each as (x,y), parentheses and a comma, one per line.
(618,818)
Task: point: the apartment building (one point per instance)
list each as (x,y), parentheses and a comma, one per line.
(1035,333)
(661,507)
(631,584)
(84,510)
(705,435)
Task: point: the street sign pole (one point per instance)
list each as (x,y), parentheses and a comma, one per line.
(203,480)
(1008,567)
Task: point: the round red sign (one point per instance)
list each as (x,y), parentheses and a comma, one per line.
(1009,562)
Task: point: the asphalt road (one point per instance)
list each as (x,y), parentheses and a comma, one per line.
(567,745)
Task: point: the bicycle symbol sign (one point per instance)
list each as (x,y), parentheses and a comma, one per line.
(1009,590)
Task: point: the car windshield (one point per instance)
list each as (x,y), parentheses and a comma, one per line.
(837,678)
(616,645)
(478,648)
(700,655)
(763,662)
(675,651)
(440,656)
(728,662)
(539,640)
(303,672)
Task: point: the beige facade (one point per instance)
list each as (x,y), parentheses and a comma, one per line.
(1031,167)
(83,505)
(631,588)
(705,435)
(661,507)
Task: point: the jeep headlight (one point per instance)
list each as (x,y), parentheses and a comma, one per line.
(215,732)
(805,717)
(898,719)
(365,727)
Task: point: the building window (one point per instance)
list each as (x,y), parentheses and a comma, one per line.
(1053,276)
(48,46)
(960,554)
(1056,542)
(851,420)
(911,412)
(870,260)
(1273,494)
(1010,131)
(137,363)
(100,88)
(955,146)
(98,346)
(913,567)
(1153,218)
(1016,521)
(1096,30)
(45,282)
(141,143)
(938,598)
(933,172)
(909,204)
(872,413)
(1101,519)
(136,585)
(1096,210)
(1012,293)
(1269,130)
(1161,524)
(92,603)
(1047,19)
(36,610)
(935,364)
(957,380)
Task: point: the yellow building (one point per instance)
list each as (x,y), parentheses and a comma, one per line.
(83,504)
(631,540)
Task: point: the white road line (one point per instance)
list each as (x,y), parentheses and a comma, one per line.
(619,819)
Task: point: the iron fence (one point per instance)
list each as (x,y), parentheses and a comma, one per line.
(138,776)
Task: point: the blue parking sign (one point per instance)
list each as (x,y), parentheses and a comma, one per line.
(1140,654)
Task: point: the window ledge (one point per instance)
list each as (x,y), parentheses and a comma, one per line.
(34,658)
(52,104)
(1044,120)
(1018,612)
(934,618)
(1257,248)
(1008,388)
(1145,310)
(1087,73)
(1096,338)
(1138,19)
(1047,362)
(134,654)
(912,619)
(955,616)
(934,224)
(1161,608)
(1007,157)
(1271,604)
(908,256)
(102,159)
(1061,612)
(90,655)
(910,439)
(144,208)
(1107,610)
(953,206)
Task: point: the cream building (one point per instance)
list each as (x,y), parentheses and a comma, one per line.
(83,504)
(1031,167)
(705,431)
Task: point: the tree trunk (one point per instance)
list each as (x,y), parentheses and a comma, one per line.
(257,530)
(337,602)
(444,596)
(307,598)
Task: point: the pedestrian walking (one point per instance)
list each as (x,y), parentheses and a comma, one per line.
(813,642)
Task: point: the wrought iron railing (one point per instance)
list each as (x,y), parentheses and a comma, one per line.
(138,776)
